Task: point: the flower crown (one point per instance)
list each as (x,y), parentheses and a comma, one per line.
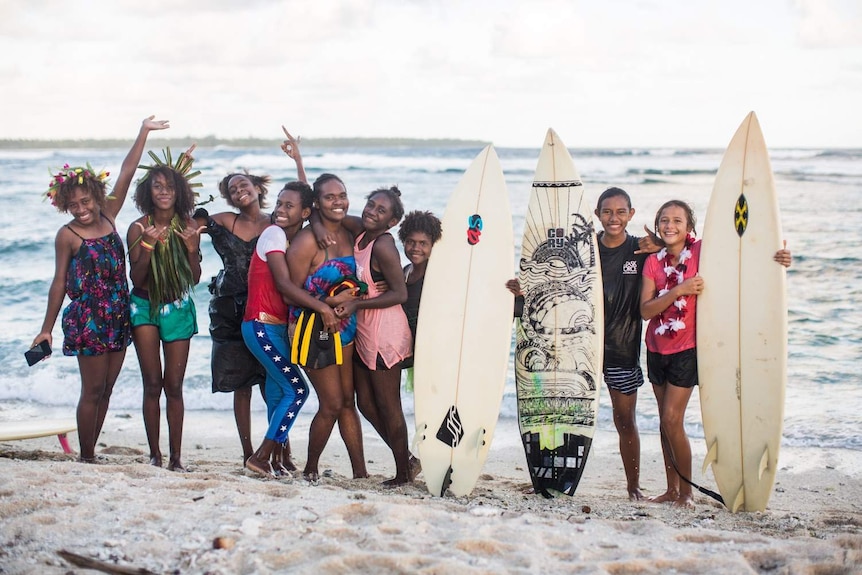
(69,173)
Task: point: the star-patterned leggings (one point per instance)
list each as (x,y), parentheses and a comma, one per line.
(286,383)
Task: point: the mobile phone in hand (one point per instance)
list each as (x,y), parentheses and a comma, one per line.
(37,353)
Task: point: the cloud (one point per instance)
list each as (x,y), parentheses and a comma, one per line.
(641,72)
(829,23)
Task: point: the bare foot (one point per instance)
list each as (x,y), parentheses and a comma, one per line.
(636,494)
(260,467)
(311,476)
(156,460)
(288,464)
(87,459)
(666,497)
(176,465)
(280,470)
(685,502)
(395,482)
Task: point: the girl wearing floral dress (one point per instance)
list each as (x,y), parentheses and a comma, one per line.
(90,269)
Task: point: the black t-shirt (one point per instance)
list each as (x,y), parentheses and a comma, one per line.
(621,276)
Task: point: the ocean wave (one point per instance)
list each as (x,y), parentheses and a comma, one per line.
(669,172)
(826,178)
(849,154)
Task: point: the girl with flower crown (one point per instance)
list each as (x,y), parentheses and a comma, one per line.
(90,269)
(669,301)
(164,255)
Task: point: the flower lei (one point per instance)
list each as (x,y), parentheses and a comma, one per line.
(69,173)
(671,320)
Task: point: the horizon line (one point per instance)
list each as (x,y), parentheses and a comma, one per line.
(251,142)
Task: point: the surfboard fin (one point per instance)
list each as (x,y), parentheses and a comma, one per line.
(738,500)
(447,481)
(711,456)
(419,436)
(480,441)
(764,463)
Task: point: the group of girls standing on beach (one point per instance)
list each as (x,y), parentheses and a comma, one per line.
(340,282)
(326,304)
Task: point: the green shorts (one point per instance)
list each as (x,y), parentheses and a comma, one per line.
(176,321)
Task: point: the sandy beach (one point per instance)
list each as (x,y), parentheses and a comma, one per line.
(141,519)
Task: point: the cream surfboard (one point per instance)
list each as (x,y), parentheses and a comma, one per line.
(742,324)
(464,333)
(560,339)
(30,429)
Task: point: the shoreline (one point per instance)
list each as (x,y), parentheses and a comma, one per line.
(126,512)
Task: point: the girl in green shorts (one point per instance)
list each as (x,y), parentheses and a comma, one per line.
(165,264)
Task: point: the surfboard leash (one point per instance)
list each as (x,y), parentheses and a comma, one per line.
(703,490)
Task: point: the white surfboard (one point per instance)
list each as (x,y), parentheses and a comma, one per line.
(742,324)
(30,429)
(560,340)
(465,331)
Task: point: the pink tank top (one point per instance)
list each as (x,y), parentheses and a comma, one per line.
(381,331)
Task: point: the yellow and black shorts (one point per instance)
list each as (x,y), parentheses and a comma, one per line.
(312,346)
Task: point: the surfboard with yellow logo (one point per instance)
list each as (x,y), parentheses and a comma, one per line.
(742,324)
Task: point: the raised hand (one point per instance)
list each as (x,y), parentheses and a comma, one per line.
(150,233)
(150,123)
(291,145)
(191,237)
(650,243)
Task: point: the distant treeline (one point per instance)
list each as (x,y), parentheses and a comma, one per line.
(212,141)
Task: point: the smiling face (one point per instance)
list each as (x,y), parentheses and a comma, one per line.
(289,212)
(83,207)
(417,247)
(163,193)
(242,192)
(615,213)
(673,226)
(332,201)
(378,214)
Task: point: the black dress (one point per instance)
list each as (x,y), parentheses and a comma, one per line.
(233,365)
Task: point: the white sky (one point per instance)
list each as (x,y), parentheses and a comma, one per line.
(600,72)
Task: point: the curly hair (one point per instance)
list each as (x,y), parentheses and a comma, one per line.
(260,182)
(91,184)
(394,195)
(419,221)
(306,194)
(689,214)
(185,197)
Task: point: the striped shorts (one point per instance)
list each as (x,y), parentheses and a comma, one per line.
(625,380)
